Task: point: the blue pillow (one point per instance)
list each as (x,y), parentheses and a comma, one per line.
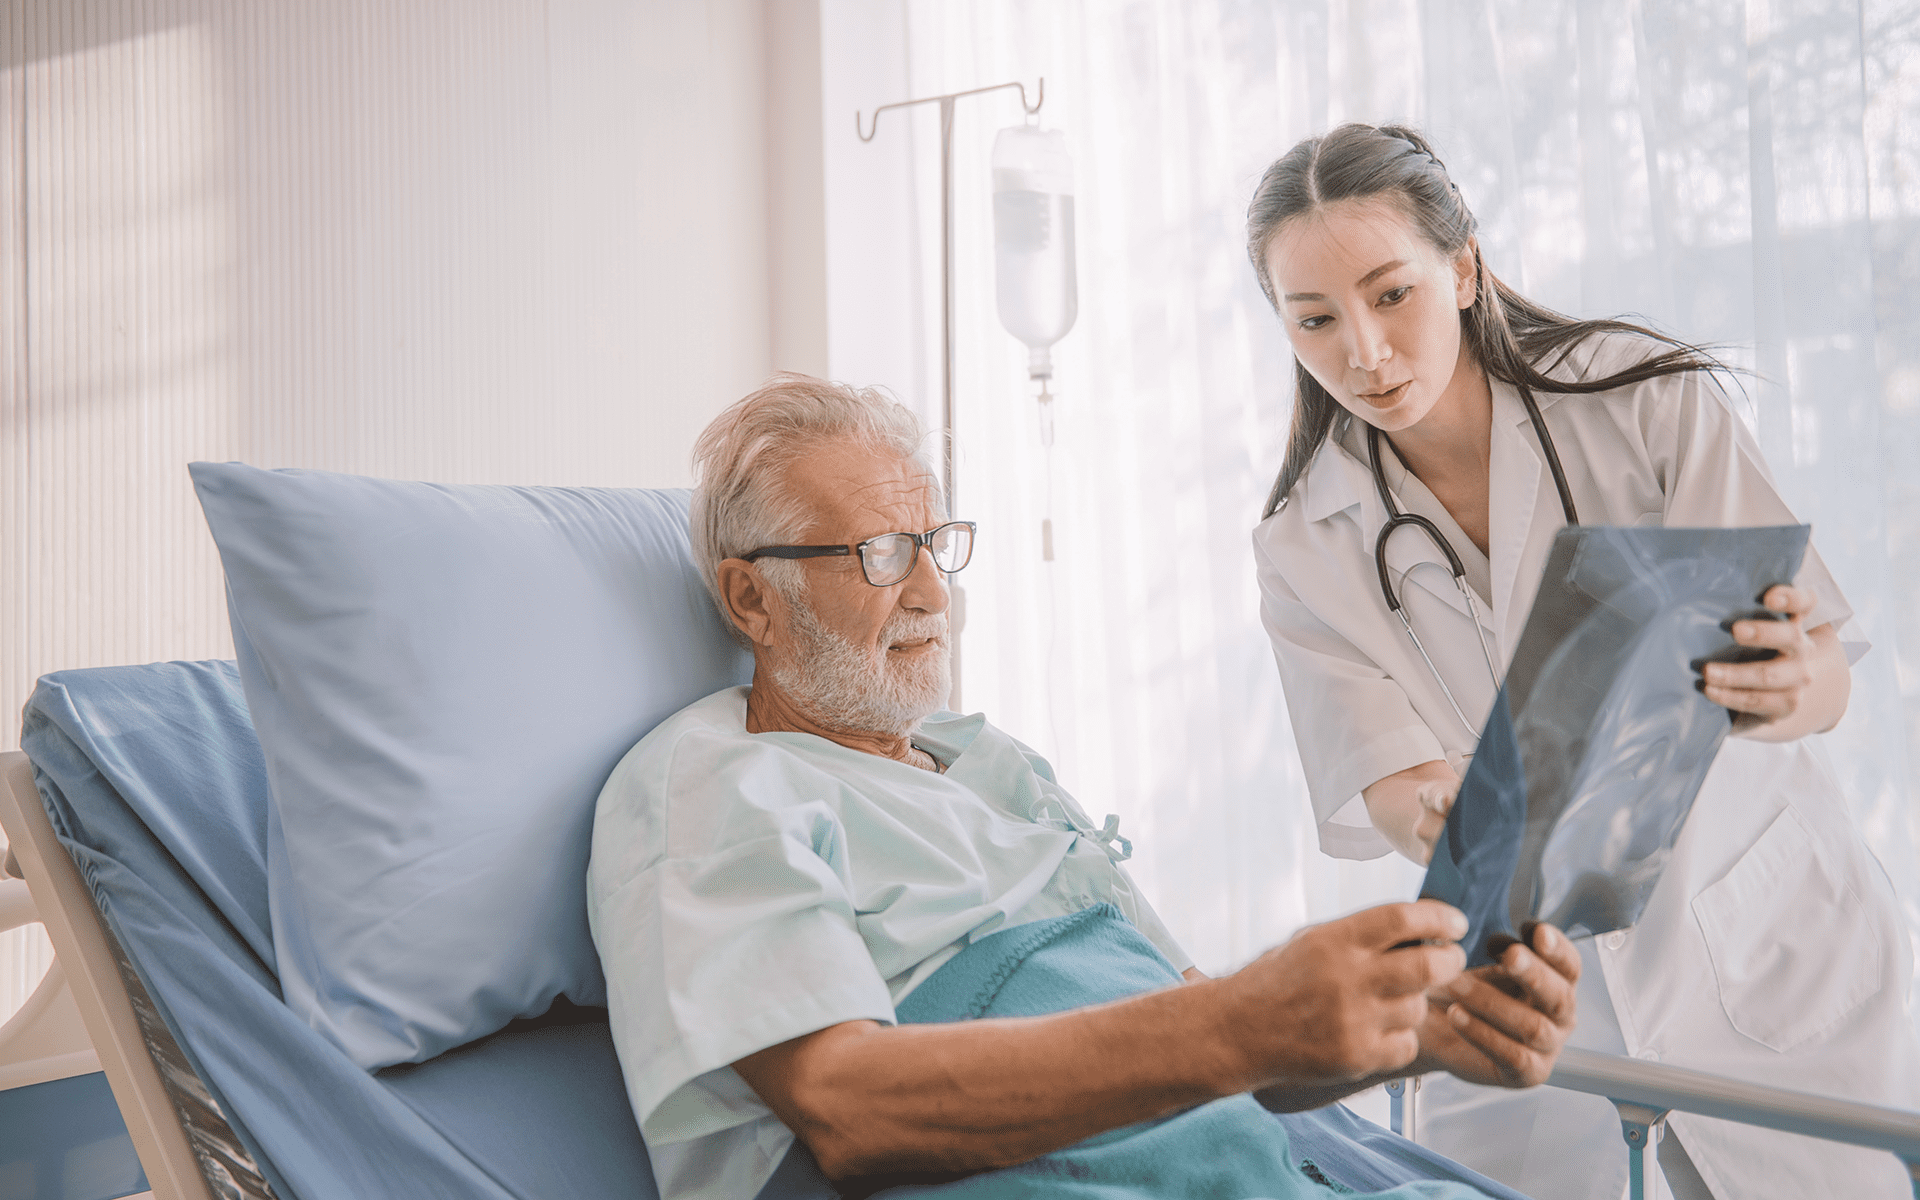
(442,677)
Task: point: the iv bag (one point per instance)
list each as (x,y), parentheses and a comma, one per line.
(1033,240)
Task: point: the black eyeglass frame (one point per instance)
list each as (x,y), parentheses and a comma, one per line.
(921,541)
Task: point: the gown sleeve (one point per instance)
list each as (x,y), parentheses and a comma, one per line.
(1714,476)
(726,926)
(1352,724)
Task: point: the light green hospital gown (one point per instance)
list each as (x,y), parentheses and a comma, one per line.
(746,889)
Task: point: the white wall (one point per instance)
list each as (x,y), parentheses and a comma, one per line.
(528,241)
(882,209)
(474,241)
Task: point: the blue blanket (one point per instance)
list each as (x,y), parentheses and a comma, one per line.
(1228,1149)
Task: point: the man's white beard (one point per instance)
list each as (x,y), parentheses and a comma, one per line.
(857,689)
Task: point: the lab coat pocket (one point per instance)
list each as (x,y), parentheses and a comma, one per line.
(1793,948)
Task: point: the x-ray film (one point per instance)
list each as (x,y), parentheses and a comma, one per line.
(1598,740)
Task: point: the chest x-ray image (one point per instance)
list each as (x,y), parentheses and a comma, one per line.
(1598,740)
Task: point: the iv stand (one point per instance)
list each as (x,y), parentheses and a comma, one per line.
(866,132)
(946,241)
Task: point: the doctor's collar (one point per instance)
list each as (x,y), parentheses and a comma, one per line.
(1334,482)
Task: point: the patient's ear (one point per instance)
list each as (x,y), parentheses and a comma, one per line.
(749,603)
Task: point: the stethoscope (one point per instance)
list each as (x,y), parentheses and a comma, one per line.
(1397,519)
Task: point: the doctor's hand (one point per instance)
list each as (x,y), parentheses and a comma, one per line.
(1802,688)
(1504,1024)
(1410,807)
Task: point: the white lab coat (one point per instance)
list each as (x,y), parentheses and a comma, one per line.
(1772,948)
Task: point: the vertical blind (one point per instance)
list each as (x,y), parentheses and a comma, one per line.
(456,240)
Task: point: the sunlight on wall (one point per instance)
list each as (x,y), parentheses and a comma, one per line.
(129,260)
(472,241)
(335,237)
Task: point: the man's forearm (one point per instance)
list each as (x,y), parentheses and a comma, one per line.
(871,1100)
(1338,1002)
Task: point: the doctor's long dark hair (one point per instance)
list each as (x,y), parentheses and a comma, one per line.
(1506,333)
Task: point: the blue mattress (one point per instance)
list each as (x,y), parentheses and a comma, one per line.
(154,781)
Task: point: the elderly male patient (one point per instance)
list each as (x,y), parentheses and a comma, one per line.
(830,911)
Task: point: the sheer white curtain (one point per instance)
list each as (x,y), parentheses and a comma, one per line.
(1745,175)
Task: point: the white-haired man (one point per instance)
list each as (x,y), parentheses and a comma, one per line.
(783,873)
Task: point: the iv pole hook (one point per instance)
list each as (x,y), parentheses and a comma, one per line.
(867,130)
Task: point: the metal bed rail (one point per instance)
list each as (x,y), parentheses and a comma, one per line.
(1645,1092)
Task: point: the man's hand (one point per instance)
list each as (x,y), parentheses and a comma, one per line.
(1344,1000)
(1504,1024)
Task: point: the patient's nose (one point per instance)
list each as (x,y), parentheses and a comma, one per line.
(926,589)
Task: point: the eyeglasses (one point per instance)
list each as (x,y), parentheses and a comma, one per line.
(891,557)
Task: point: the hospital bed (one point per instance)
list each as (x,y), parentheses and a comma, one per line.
(151,890)
(138,827)
(196,1144)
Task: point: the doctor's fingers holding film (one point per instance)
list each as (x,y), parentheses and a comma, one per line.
(1345,999)
(1505,1024)
(1766,690)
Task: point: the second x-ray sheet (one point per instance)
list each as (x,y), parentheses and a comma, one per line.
(1598,740)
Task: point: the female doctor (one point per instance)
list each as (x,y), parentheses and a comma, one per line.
(1772,948)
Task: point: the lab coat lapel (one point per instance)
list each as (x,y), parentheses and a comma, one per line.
(1524,514)
(1342,483)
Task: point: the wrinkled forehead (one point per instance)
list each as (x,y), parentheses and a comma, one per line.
(851,492)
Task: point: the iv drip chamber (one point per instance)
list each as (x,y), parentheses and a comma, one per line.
(1033,240)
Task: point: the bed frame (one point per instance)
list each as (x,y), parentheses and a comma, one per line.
(109,997)
(87,964)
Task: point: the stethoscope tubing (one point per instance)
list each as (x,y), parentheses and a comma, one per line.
(1398,520)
